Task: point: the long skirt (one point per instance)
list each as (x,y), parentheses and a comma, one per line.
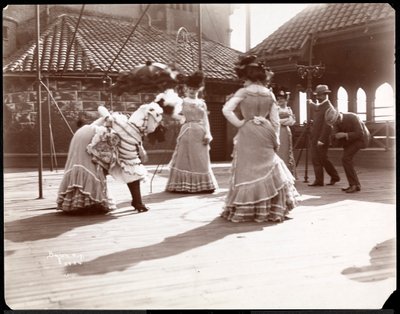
(285,151)
(83,189)
(190,166)
(261,186)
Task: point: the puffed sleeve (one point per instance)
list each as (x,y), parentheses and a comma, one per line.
(274,116)
(230,106)
(292,118)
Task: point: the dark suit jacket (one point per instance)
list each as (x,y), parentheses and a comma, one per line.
(354,127)
(320,131)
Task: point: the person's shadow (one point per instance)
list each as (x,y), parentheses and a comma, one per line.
(120,261)
(382,264)
(48,226)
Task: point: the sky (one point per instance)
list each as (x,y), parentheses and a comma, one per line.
(265,19)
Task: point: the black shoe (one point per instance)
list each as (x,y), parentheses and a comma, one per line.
(353,189)
(316,184)
(140,207)
(357,187)
(333,181)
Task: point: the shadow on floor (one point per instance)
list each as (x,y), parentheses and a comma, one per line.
(382,264)
(48,226)
(120,261)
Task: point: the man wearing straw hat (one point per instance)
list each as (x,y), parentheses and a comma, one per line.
(320,137)
(351,133)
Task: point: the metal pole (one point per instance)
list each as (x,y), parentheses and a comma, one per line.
(200,36)
(309,93)
(39,102)
(248,26)
(50,131)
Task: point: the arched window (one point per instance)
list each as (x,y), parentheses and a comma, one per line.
(342,100)
(302,107)
(384,103)
(362,104)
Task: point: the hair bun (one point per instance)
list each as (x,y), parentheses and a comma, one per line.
(246,60)
(195,80)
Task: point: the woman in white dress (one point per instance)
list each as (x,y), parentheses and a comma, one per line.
(190,166)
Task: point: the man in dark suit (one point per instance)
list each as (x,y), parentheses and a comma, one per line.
(320,137)
(352,134)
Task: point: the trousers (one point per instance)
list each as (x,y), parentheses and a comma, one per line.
(349,152)
(320,161)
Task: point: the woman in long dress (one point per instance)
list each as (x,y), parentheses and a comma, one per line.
(286,119)
(110,145)
(190,166)
(83,188)
(261,187)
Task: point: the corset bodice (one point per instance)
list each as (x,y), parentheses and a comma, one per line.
(257,101)
(193,109)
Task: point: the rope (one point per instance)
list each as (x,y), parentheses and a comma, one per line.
(55,102)
(127,39)
(72,41)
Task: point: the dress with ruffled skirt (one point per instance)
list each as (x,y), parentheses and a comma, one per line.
(261,186)
(190,166)
(83,188)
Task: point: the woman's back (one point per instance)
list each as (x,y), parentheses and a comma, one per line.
(257,101)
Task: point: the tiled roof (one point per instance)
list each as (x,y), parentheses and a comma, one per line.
(292,35)
(98,41)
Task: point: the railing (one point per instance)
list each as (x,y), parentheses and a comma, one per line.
(382,134)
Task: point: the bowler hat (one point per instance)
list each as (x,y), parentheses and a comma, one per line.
(331,115)
(321,89)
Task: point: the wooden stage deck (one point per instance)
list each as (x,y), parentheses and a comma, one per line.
(336,252)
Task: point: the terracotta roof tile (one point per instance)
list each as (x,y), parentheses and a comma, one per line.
(98,41)
(321,18)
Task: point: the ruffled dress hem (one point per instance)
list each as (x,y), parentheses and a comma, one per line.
(191,182)
(73,198)
(279,198)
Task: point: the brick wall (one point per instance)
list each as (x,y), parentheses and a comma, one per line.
(75,98)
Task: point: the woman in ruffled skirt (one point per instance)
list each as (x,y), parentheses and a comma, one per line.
(190,166)
(83,189)
(261,186)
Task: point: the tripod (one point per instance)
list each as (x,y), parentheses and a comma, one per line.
(306,136)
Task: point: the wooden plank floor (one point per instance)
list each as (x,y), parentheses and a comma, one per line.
(336,251)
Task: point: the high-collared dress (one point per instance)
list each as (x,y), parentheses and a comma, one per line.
(190,166)
(261,186)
